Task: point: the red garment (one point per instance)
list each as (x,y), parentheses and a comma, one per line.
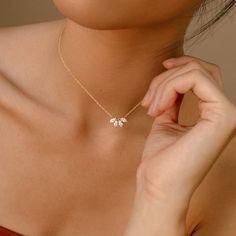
(8,232)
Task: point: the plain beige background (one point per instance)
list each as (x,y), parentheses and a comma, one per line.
(218,46)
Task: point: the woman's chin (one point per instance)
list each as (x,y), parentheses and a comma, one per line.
(100,23)
(90,16)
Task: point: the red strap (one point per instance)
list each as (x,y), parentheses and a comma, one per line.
(7,232)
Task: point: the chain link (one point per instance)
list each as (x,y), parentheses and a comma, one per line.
(83,86)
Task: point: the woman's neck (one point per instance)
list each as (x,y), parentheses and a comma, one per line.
(117,66)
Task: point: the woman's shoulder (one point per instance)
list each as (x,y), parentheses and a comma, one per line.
(25,48)
(24,58)
(13,36)
(28,31)
(19,45)
(25,55)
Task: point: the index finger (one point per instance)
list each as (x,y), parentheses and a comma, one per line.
(213,69)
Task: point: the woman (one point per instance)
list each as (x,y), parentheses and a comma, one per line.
(73,164)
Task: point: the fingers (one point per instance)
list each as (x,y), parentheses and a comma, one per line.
(154,85)
(176,67)
(183,69)
(212,68)
(194,80)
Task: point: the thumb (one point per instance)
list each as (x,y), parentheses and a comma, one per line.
(171,114)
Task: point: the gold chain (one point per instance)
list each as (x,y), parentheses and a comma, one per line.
(117,122)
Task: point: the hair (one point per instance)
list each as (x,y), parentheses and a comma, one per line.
(216,10)
(220,9)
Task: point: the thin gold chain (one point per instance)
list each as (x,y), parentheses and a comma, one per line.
(82,85)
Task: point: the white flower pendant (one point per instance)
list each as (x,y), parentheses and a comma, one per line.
(118,122)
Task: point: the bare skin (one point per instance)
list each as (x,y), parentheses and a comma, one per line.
(64,169)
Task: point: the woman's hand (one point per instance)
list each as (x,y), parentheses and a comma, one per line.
(176,158)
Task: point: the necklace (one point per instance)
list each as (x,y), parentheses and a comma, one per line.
(116,121)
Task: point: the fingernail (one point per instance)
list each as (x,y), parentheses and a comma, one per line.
(170,59)
(169,62)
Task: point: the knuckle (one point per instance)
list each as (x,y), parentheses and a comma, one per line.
(197,72)
(217,73)
(216,67)
(227,114)
(155,81)
(194,64)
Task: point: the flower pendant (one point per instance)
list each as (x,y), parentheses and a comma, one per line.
(118,122)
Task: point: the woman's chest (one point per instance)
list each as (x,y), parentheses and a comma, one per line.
(66,190)
(51,185)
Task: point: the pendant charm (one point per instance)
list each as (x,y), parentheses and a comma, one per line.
(118,121)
